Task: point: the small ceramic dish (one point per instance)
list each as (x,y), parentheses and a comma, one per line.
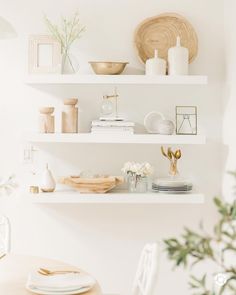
(152,121)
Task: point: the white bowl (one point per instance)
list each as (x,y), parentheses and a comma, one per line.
(166,127)
(152,121)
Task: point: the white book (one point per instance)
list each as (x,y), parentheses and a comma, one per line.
(112,129)
(111,119)
(113,123)
(112,132)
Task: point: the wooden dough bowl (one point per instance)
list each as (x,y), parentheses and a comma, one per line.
(93,185)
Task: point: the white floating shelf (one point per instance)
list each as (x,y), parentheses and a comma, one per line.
(116,138)
(117,79)
(115,198)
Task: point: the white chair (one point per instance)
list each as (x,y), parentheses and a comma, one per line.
(145,282)
(4,235)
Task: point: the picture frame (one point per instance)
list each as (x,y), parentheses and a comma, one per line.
(186,120)
(44,55)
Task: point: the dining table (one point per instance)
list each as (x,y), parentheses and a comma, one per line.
(14,271)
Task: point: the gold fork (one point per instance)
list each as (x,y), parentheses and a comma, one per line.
(3,256)
(47,272)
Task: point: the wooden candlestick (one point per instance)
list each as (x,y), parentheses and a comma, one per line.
(46,120)
(70,116)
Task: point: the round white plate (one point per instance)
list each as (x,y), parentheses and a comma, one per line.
(175,192)
(171,182)
(71,292)
(152,121)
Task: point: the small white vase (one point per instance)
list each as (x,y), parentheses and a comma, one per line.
(48,183)
(156,65)
(178,58)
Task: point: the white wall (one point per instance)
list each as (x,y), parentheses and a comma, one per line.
(229,103)
(107,240)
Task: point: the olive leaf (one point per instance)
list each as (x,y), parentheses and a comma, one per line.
(193,248)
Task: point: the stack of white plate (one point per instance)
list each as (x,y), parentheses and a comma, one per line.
(172,186)
(64,284)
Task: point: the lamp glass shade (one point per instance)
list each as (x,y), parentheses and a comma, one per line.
(6,29)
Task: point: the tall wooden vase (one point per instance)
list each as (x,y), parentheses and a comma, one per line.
(46,120)
(70,116)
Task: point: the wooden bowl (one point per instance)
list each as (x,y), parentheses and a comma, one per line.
(108,68)
(93,185)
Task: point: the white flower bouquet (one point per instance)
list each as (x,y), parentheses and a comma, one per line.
(137,169)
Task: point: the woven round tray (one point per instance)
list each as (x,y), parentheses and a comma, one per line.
(160,33)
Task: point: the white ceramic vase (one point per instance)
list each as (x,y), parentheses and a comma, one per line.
(156,65)
(178,59)
(48,183)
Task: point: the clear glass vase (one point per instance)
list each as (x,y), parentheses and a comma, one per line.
(69,64)
(137,184)
(174,169)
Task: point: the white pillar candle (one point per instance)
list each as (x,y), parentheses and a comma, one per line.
(156,65)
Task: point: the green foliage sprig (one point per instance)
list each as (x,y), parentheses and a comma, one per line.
(193,248)
(67,32)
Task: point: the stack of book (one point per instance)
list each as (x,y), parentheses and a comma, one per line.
(111,127)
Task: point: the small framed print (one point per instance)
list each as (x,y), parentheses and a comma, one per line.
(44,54)
(186,120)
